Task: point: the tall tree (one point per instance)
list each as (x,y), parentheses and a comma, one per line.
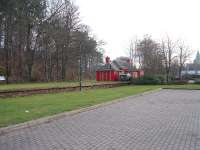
(38,40)
(134,53)
(168,50)
(183,54)
(150,56)
(197,58)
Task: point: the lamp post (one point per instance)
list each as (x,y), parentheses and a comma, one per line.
(80,67)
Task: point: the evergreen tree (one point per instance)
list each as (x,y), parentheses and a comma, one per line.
(197,58)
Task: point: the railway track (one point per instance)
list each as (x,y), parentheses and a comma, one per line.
(27,92)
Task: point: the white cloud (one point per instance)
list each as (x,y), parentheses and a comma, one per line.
(117,21)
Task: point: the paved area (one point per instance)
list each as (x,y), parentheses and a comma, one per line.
(165,120)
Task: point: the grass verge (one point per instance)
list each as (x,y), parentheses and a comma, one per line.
(185,86)
(21,109)
(17,86)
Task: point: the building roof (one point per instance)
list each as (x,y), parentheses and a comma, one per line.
(116,65)
(110,66)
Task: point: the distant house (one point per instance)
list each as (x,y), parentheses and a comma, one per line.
(191,70)
(190,73)
(115,70)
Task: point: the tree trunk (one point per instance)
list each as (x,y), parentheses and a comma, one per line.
(29,53)
(179,72)
(7,45)
(19,54)
(63,69)
(57,63)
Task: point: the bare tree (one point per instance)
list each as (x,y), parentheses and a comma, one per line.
(168,50)
(37,40)
(150,55)
(183,54)
(134,54)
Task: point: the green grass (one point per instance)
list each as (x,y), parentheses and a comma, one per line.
(12,110)
(42,85)
(185,86)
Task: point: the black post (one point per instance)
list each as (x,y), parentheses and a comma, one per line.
(80,68)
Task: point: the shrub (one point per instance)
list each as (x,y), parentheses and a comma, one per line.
(197,81)
(178,82)
(149,80)
(161,78)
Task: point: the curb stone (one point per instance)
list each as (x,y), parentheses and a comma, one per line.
(49,119)
(166,88)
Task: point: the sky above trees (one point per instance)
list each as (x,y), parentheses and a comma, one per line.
(117,22)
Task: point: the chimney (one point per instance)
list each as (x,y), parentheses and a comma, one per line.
(107,60)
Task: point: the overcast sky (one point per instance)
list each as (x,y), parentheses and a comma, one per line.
(118,21)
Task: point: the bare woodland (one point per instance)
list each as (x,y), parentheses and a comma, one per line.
(166,57)
(43,40)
